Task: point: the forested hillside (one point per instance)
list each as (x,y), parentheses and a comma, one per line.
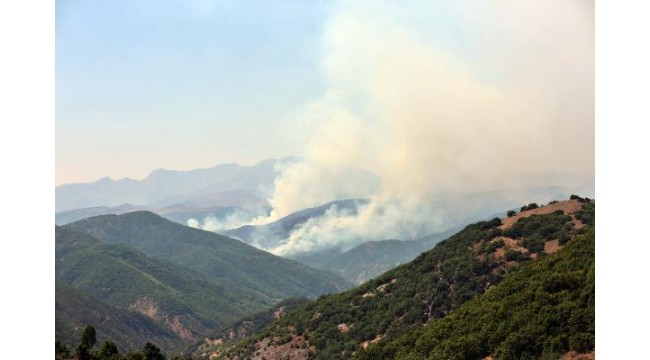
(460,269)
(542,311)
(182,302)
(231,262)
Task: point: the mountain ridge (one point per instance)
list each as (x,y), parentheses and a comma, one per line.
(211,254)
(163,187)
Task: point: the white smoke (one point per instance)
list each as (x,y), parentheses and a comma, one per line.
(439,99)
(193,223)
(213,223)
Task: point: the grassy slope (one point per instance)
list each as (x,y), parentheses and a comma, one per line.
(234,263)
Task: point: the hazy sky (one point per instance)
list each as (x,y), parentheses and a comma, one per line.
(466,90)
(179,84)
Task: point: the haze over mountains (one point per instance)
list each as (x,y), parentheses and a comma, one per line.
(232,200)
(226,197)
(221,185)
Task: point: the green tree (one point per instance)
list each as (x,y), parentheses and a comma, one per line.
(88,340)
(108,351)
(135,355)
(152,352)
(62,351)
(89,337)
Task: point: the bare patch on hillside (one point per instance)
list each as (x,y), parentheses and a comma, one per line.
(279,312)
(343,327)
(509,244)
(567,206)
(552,246)
(366,343)
(146,306)
(382,288)
(499,253)
(213,342)
(296,349)
(177,326)
(572,355)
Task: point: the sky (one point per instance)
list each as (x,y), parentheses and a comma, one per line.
(438,87)
(142,85)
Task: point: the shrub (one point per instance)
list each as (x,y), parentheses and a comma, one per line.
(530,206)
(576,197)
(564,238)
(514,255)
(493,233)
(492,247)
(534,244)
(490,224)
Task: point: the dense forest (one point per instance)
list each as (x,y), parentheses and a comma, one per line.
(544,310)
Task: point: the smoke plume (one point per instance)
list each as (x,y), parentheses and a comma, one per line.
(226,221)
(441,100)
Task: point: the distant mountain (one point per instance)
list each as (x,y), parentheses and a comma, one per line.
(180,213)
(222,185)
(66,217)
(231,262)
(544,311)
(369,259)
(277,232)
(129,329)
(180,300)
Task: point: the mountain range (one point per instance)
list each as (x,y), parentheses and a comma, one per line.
(221,185)
(180,213)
